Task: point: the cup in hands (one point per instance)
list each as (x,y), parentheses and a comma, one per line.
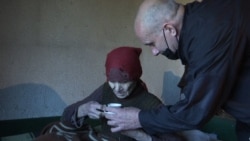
(113,105)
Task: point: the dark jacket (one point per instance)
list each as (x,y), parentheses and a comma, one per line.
(214,47)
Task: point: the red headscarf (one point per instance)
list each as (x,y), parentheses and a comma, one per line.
(123,64)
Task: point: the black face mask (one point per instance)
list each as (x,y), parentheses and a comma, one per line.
(169,53)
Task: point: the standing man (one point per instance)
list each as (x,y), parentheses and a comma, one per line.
(212,40)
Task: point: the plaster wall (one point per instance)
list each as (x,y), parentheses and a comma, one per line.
(52,52)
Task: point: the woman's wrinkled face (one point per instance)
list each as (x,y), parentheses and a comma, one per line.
(122,90)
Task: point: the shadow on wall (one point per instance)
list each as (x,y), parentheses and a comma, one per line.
(171,92)
(28,101)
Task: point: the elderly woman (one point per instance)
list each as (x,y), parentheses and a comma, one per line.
(124,86)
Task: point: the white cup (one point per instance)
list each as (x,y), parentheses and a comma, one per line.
(115,105)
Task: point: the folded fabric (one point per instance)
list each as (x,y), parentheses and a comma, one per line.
(57,131)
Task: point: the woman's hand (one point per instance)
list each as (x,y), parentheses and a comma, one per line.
(92,109)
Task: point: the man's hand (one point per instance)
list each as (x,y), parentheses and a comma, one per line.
(123,118)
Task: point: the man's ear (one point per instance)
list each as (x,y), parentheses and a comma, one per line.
(171,29)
